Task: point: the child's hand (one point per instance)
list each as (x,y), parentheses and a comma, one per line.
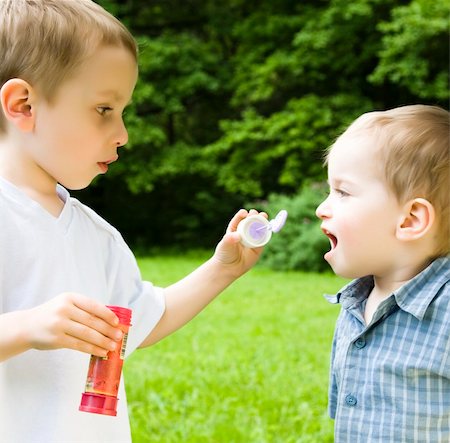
(73,321)
(230,251)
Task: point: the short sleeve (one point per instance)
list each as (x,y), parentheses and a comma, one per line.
(127,289)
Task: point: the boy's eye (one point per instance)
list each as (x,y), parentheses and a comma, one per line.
(103,110)
(341,193)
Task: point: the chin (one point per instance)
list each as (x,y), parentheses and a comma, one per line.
(347,271)
(77,185)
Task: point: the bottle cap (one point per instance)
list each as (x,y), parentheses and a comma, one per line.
(124,314)
(98,404)
(256,230)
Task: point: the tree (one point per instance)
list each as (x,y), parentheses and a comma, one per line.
(237,100)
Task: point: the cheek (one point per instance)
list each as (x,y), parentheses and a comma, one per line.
(75,135)
(56,130)
(357,227)
(368,230)
(351,233)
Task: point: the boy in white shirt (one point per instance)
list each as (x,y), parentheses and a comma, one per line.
(67,71)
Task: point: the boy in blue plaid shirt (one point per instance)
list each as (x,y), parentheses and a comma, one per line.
(387,218)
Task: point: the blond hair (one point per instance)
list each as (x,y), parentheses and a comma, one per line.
(43,41)
(413,143)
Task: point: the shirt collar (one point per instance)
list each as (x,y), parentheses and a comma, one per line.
(353,293)
(416,295)
(12,192)
(413,297)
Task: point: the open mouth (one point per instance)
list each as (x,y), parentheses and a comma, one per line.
(332,238)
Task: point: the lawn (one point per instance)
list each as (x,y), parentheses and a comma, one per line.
(251,368)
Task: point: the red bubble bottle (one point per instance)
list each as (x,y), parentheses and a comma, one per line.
(103,378)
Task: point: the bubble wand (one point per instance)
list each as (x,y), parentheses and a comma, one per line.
(256,230)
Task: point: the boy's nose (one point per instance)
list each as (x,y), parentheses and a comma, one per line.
(323,210)
(122,135)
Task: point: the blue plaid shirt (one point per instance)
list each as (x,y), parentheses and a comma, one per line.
(390,380)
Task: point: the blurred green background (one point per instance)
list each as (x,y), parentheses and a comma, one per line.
(238,99)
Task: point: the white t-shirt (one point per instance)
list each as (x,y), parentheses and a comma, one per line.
(40,257)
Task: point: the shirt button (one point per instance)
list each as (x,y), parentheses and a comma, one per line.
(360,343)
(351,400)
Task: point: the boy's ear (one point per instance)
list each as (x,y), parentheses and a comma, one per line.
(416,220)
(17,103)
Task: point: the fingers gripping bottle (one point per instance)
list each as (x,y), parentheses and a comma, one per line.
(103,378)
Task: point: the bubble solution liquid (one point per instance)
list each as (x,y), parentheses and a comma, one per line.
(103,378)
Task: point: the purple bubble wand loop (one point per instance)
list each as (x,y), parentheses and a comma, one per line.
(256,230)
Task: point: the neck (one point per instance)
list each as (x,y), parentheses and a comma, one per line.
(384,285)
(20,170)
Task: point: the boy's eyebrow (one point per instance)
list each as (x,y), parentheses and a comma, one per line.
(338,181)
(113,93)
(110,92)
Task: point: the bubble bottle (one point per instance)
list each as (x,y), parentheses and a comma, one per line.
(103,378)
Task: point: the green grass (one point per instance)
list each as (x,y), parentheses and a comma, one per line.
(251,368)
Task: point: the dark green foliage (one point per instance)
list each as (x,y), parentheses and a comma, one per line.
(237,100)
(283,149)
(414,52)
